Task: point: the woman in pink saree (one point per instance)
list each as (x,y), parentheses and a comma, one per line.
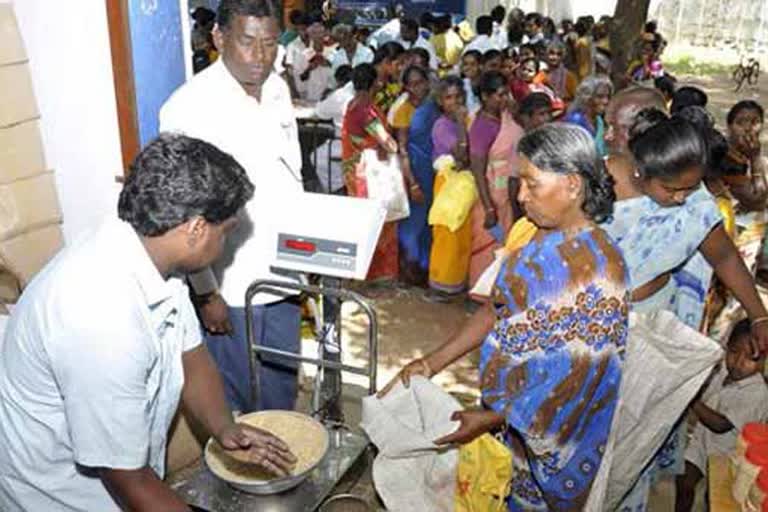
(493,139)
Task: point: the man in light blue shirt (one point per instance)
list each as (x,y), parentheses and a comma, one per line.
(104,343)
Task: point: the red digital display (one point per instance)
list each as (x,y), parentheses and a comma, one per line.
(298,245)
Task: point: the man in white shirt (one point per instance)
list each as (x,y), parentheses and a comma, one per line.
(410,38)
(309,62)
(334,107)
(349,51)
(482,41)
(240,105)
(104,342)
(500,36)
(390,31)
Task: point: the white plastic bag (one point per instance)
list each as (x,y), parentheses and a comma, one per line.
(384,181)
(666,364)
(411,472)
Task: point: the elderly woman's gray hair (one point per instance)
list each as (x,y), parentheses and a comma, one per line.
(587,89)
(569,149)
(340,31)
(556,45)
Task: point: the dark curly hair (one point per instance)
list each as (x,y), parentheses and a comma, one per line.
(176,178)
(568,149)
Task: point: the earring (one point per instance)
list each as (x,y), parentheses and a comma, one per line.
(636,174)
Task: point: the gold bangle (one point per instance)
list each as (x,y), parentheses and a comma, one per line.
(759,320)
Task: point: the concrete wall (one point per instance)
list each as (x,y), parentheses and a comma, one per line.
(71,65)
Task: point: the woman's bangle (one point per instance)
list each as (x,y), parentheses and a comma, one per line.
(759,320)
(414,186)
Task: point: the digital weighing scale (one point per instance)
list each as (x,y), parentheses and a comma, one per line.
(333,237)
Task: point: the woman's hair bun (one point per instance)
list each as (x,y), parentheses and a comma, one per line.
(645,120)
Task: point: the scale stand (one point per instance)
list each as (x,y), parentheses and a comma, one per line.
(206,491)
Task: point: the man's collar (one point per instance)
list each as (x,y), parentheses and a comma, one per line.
(134,255)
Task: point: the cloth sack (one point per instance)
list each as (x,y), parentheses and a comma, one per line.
(666,364)
(384,183)
(411,472)
(452,205)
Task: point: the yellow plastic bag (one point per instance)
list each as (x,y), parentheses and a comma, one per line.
(520,234)
(453,204)
(484,476)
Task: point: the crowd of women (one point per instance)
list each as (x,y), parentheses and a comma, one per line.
(638,204)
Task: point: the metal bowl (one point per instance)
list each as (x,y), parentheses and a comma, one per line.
(275,485)
(345,503)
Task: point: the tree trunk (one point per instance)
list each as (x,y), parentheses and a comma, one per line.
(628,21)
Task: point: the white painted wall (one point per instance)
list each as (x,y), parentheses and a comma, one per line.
(71,66)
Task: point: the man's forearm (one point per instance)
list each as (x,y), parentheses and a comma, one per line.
(203,394)
(141,490)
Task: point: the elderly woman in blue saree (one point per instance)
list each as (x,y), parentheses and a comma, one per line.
(670,231)
(553,334)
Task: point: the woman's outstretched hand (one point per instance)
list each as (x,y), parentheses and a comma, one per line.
(473,425)
(415,367)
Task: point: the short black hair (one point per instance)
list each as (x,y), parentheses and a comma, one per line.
(498,14)
(388,51)
(665,84)
(422,53)
(409,24)
(297,17)
(364,76)
(534,102)
(176,178)
(343,74)
(664,147)
(426,19)
(257,8)
(651,27)
(741,329)
(473,53)
(484,25)
(569,149)
(491,54)
(489,83)
(203,15)
(687,96)
(742,106)
(534,18)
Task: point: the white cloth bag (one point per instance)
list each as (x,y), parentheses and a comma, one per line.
(411,472)
(384,181)
(666,364)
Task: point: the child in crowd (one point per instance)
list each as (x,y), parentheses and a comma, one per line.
(736,395)
(492,60)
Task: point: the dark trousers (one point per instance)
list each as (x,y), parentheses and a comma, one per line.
(276,325)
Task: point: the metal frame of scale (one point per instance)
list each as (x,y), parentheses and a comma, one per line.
(346,446)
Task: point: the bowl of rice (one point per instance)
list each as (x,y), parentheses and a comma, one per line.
(306,437)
